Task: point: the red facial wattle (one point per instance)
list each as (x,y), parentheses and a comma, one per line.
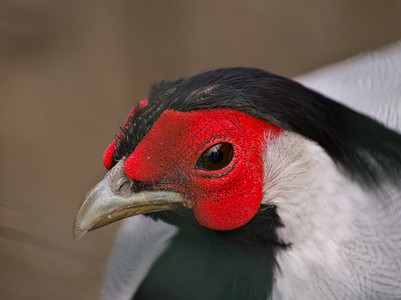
(108,154)
(166,159)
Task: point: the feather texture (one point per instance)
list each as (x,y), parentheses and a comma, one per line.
(333,178)
(344,240)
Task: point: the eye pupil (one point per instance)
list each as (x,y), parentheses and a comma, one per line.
(215,157)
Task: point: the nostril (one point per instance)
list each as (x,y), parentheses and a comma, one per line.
(126,187)
(121,184)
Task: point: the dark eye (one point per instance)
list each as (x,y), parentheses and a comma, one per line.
(216,157)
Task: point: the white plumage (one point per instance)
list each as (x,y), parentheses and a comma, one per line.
(355,250)
(338,232)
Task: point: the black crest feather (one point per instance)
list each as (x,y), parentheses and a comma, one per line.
(366,150)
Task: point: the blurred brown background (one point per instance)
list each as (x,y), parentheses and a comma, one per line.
(70,71)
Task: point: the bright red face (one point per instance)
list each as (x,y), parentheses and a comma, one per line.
(214,158)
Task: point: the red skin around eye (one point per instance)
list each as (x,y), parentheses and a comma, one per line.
(224,199)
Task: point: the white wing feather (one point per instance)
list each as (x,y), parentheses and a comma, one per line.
(139,242)
(369,83)
(346,241)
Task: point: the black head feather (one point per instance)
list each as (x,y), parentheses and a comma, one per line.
(366,150)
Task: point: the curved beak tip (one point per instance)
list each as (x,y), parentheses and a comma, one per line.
(78,228)
(101,207)
(78,233)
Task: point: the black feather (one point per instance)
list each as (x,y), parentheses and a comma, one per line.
(208,264)
(205,264)
(363,148)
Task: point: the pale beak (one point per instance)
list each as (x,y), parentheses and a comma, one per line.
(110,201)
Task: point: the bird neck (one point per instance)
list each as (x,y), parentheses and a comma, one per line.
(207,264)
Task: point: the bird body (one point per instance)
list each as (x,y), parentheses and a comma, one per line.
(343,237)
(252,187)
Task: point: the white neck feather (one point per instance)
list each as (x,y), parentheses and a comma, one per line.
(345,242)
